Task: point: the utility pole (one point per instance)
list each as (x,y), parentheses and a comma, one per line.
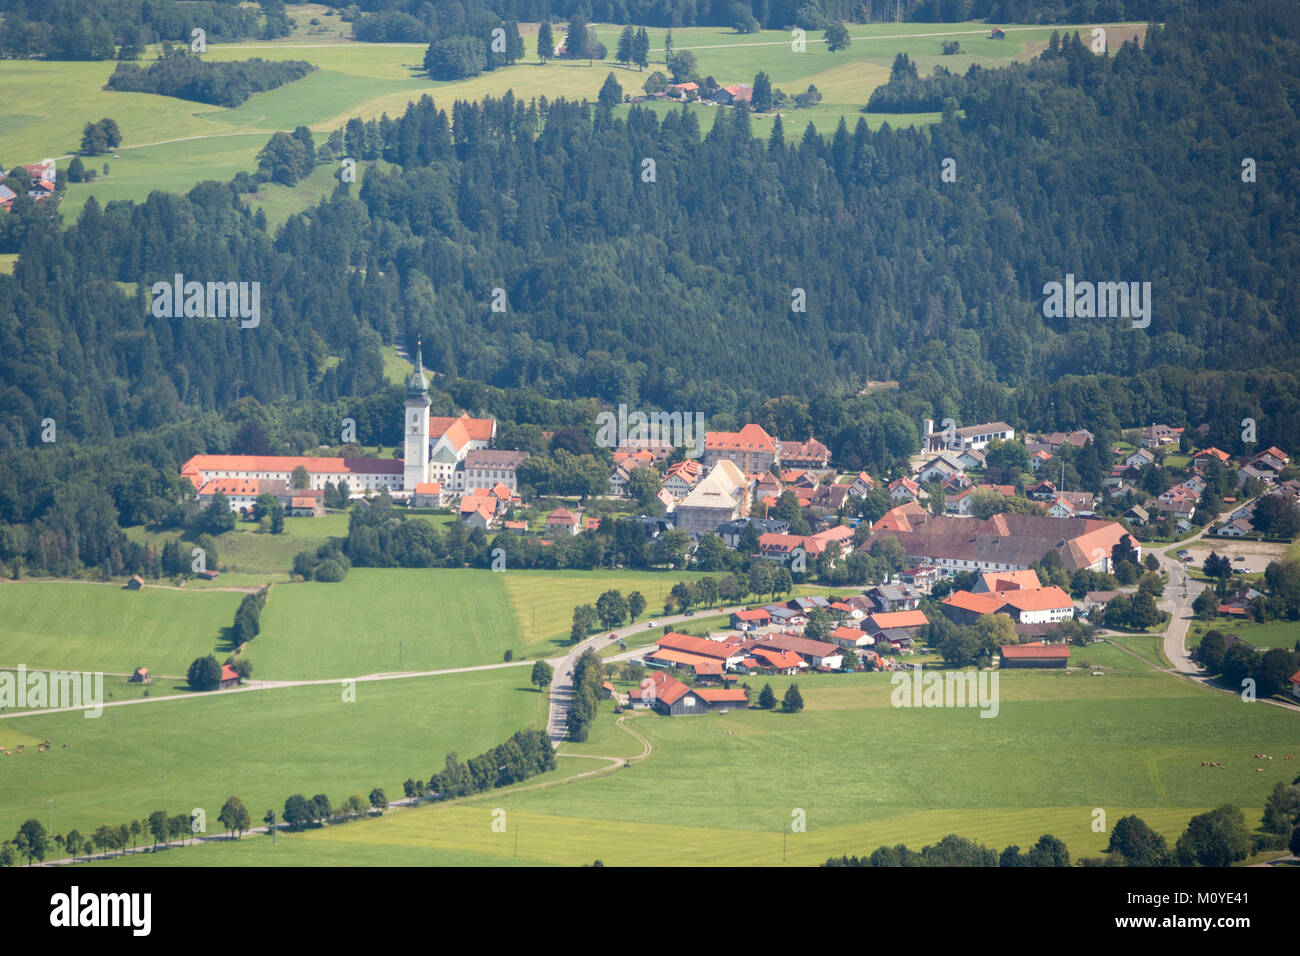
(516,839)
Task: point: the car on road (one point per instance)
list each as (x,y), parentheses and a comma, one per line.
(1240,557)
(651,623)
(613,637)
(690,613)
(1239,571)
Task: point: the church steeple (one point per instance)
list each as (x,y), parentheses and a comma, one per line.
(417,384)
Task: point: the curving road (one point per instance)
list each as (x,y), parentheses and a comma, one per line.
(562,684)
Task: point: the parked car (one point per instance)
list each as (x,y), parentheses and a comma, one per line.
(690,613)
(1240,557)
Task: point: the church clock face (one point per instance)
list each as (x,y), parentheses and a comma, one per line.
(415,425)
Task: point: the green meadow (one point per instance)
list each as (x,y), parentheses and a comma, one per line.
(88,626)
(721,789)
(1283,634)
(171,144)
(259,745)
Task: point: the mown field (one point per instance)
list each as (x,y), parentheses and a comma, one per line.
(259,745)
(720,789)
(171,144)
(85,626)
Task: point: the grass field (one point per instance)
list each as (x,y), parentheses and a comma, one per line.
(85,626)
(863,773)
(171,144)
(251,558)
(262,746)
(1283,634)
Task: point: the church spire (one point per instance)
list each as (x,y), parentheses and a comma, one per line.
(419,357)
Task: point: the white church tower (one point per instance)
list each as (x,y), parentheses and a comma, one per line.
(417,426)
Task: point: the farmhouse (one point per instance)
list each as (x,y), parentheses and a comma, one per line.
(815,653)
(228,677)
(1035,655)
(748,620)
(1024,605)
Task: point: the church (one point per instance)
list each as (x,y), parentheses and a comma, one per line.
(443,457)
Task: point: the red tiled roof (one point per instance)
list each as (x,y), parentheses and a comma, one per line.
(750,438)
(228,673)
(1034,651)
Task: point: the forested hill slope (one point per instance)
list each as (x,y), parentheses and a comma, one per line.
(678,292)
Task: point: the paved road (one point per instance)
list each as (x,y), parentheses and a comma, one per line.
(562,684)
(1181,591)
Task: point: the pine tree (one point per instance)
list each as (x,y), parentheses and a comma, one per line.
(626,47)
(792,702)
(640,49)
(545,42)
(767,697)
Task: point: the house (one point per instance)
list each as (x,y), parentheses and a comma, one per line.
(562,522)
(994,582)
(851,637)
(709,667)
(428,494)
(1071,504)
(809,604)
(810,454)
(921,576)
(516,527)
(606,690)
(1096,601)
(892,597)
(684,91)
(974,437)
(749,620)
(940,468)
(1035,655)
(1024,605)
(732,531)
(1294,681)
(1204,456)
(681,477)
(1137,515)
(1078,438)
(207,574)
(905,489)
(134,584)
(814,653)
(140,676)
(7,197)
(769,660)
(1155,436)
(896,626)
(1038,459)
(701,647)
(228,677)
(785,616)
(478,511)
(736,92)
(306,504)
(998,34)
(1140,459)
(862,485)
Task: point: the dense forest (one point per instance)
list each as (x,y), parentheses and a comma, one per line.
(76,30)
(180,73)
(677,293)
